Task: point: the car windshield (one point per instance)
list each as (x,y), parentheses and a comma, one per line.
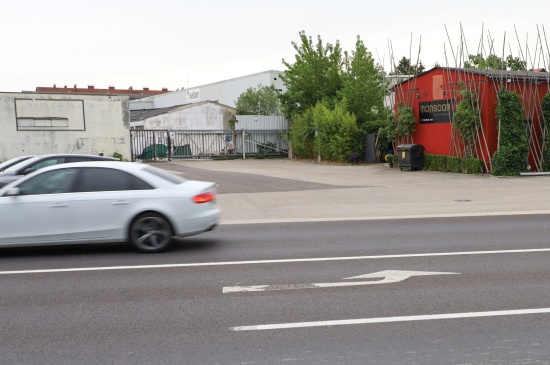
(11,161)
(18,165)
(171,178)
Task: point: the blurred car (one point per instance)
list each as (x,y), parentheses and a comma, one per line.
(103,202)
(4,165)
(31,164)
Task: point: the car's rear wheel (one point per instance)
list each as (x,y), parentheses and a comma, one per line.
(150,232)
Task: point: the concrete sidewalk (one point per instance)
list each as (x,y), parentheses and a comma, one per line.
(374,192)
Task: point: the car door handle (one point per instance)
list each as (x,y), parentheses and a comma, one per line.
(58,205)
(121,202)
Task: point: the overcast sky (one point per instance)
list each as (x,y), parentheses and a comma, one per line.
(174,44)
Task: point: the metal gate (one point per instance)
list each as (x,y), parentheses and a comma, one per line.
(158,145)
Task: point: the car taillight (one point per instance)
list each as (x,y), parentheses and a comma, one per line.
(203,198)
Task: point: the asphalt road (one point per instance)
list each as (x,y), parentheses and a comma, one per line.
(107,304)
(449,285)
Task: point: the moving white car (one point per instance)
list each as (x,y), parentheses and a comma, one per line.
(105,201)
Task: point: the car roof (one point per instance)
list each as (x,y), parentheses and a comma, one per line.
(50,155)
(54,155)
(21,165)
(120,165)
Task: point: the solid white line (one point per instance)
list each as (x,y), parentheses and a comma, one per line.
(378,218)
(256,262)
(390,319)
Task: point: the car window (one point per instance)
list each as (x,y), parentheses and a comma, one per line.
(104,179)
(47,162)
(50,182)
(19,165)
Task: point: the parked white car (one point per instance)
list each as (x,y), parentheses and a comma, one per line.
(4,165)
(103,201)
(27,165)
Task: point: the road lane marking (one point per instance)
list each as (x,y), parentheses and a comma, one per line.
(388,276)
(280,261)
(428,317)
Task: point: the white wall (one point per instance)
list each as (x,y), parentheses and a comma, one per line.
(224,92)
(35,123)
(208,116)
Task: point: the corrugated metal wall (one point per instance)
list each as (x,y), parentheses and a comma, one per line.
(261,123)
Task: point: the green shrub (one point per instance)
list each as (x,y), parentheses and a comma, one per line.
(545,106)
(511,157)
(117,155)
(428,162)
(472,166)
(453,164)
(440,163)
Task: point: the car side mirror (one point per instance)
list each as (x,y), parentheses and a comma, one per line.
(13,192)
(28,171)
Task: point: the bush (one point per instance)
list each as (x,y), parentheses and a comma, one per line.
(302,135)
(428,162)
(472,166)
(117,155)
(511,157)
(453,164)
(440,163)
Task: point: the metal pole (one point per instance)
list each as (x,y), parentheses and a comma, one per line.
(244,145)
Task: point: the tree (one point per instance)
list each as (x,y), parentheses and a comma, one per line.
(494,62)
(347,88)
(363,86)
(263,100)
(315,75)
(405,122)
(404,67)
(515,64)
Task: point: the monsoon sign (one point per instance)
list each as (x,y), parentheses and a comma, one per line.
(438,111)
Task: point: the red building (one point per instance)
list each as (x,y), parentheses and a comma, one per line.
(434,94)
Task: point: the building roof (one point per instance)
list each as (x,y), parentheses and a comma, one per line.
(138,115)
(236,78)
(491,74)
(111,90)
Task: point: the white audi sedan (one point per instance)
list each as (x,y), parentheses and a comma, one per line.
(100,202)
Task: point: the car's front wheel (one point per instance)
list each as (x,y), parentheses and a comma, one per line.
(150,232)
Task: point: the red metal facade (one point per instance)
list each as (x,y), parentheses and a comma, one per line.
(443,84)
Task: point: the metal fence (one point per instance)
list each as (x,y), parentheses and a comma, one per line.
(155,145)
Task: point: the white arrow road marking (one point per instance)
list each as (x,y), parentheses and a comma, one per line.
(388,276)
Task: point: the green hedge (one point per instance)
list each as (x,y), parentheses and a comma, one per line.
(452,164)
(472,166)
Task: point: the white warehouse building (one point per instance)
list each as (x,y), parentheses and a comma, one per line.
(223,92)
